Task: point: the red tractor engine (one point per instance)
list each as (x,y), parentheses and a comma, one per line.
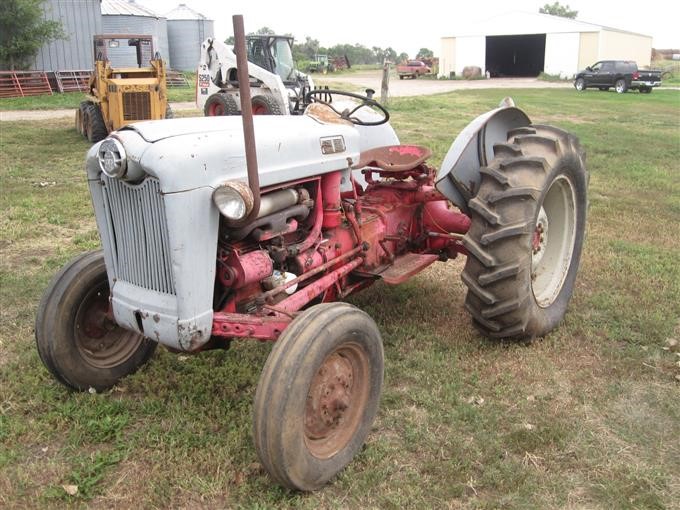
(395,228)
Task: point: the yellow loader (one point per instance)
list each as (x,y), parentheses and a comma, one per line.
(122,95)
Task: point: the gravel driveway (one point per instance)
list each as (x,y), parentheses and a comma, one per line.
(427,86)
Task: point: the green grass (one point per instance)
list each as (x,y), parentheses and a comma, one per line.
(70,100)
(588,417)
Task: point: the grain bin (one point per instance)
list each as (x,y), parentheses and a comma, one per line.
(187,29)
(128,17)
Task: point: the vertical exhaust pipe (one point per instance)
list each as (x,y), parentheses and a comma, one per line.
(246,114)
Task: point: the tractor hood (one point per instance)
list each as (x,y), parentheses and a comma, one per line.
(186,154)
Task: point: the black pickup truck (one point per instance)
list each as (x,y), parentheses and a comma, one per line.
(620,74)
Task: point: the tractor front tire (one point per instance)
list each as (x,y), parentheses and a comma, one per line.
(95,128)
(265,104)
(76,337)
(318,395)
(527,231)
(220,104)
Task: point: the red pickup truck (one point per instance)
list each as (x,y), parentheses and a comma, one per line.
(412,68)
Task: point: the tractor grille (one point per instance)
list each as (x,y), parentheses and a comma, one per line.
(139,233)
(136,106)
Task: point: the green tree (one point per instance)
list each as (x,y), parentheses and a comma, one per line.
(23,30)
(403,57)
(557,9)
(424,53)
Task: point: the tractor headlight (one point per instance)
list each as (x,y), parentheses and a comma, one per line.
(234,200)
(112,158)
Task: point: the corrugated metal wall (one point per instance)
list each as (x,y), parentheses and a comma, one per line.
(140,25)
(80,20)
(185,38)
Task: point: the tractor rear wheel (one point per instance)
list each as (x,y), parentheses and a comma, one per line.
(77,339)
(95,127)
(220,104)
(318,395)
(265,104)
(526,235)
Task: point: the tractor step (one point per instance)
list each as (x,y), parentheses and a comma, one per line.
(405,266)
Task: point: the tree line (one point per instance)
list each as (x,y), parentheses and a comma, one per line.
(356,53)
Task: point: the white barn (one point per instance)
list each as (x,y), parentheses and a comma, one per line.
(526,44)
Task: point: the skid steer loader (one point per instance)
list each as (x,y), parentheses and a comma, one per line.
(121,95)
(276,86)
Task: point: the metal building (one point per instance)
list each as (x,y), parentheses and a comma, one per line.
(80,21)
(128,17)
(526,44)
(187,29)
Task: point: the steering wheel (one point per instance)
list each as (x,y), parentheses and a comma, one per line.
(367,101)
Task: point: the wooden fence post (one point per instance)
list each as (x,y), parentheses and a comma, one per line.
(385,87)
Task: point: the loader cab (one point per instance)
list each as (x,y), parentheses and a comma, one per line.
(273,53)
(124,50)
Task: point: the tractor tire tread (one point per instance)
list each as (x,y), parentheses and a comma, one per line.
(498,270)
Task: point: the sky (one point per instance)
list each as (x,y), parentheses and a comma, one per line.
(409,26)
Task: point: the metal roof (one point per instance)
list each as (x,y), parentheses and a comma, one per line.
(183,12)
(125,8)
(518,22)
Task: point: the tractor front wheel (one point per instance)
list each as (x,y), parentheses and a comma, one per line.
(318,395)
(526,235)
(77,339)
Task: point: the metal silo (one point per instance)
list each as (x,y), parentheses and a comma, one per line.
(80,21)
(187,29)
(128,17)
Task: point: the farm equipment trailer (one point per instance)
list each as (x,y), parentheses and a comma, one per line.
(204,243)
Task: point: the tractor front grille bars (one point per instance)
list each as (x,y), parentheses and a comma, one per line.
(136,106)
(138,232)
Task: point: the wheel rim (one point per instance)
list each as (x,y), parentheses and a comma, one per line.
(216,109)
(336,399)
(579,85)
(260,109)
(100,341)
(552,242)
(619,87)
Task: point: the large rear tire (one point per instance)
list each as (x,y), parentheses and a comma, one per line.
(526,235)
(318,395)
(95,128)
(76,338)
(220,104)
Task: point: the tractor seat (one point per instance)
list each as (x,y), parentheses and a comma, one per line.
(394,158)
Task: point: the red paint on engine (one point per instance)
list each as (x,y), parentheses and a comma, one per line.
(399,213)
